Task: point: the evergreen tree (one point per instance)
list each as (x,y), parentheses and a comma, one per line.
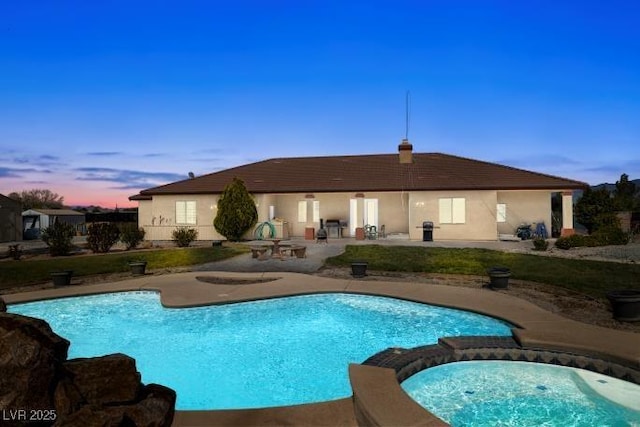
(237,211)
(594,208)
(623,195)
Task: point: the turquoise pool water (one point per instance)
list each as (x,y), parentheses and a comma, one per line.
(497,393)
(265,353)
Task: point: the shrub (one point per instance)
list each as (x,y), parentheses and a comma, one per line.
(102,236)
(59,237)
(610,235)
(237,211)
(540,244)
(183,236)
(131,235)
(573,241)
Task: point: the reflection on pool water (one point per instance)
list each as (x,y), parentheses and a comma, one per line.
(265,353)
(492,393)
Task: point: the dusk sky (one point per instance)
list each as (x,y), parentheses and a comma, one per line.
(101,99)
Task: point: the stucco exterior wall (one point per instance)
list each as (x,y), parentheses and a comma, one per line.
(399,212)
(158,216)
(525,207)
(480,215)
(392,212)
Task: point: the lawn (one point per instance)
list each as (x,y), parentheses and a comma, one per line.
(594,278)
(27,272)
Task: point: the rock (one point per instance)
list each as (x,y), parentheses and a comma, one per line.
(111,379)
(29,359)
(156,409)
(67,399)
(3,306)
(38,329)
(94,416)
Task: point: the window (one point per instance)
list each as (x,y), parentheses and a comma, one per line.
(452,210)
(302,211)
(501,212)
(316,211)
(186,212)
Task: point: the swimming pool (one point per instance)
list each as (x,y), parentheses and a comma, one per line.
(490,393)
(273,352)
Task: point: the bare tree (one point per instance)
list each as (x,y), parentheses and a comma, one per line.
(38,198)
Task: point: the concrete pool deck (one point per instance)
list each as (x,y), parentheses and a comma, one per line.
(537,329)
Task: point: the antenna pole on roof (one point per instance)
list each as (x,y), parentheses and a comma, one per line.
(407,111)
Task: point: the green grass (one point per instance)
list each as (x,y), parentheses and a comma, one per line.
(27,272)
(594,278)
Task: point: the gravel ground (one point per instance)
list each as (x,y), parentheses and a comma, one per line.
(627,254)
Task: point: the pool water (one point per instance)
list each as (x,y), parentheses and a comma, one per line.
(274,352)
(500,393)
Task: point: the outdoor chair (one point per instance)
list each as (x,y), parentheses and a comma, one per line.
(370,232)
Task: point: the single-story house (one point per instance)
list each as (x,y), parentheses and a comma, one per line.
(10,219)
(464,198)
(36,220)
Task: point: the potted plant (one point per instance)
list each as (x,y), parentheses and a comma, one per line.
(499,277)
(61,278)
(138,267)
(15,252)
(359,269)
(625,304)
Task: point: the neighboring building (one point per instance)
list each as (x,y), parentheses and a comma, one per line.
(466,199)
(10,220)
(36,220)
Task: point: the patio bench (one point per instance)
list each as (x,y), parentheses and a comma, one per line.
(259,251)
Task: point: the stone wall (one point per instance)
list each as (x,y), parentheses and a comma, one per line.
(39,386)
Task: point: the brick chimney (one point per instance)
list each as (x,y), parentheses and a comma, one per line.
(405,151)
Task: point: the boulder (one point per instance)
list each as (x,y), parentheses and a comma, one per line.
(156,409)
(111,379)
(30,355)
(67,399)
(94,416)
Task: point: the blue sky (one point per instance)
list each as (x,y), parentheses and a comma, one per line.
(99,100)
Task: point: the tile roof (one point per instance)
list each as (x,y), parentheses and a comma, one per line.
(378,172)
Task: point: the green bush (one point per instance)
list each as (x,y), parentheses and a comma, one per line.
(540,244)
(102,236)
(183,236)
(59,237)
(610,235)
(131,235)
(573,241)
(237,211)
(605,235)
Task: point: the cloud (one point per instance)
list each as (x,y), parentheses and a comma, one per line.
(105,153)
(43,160)
(528,161)
(129,179)
(629,167)
(19,172)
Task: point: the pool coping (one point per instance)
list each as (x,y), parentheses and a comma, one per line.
(536,329)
